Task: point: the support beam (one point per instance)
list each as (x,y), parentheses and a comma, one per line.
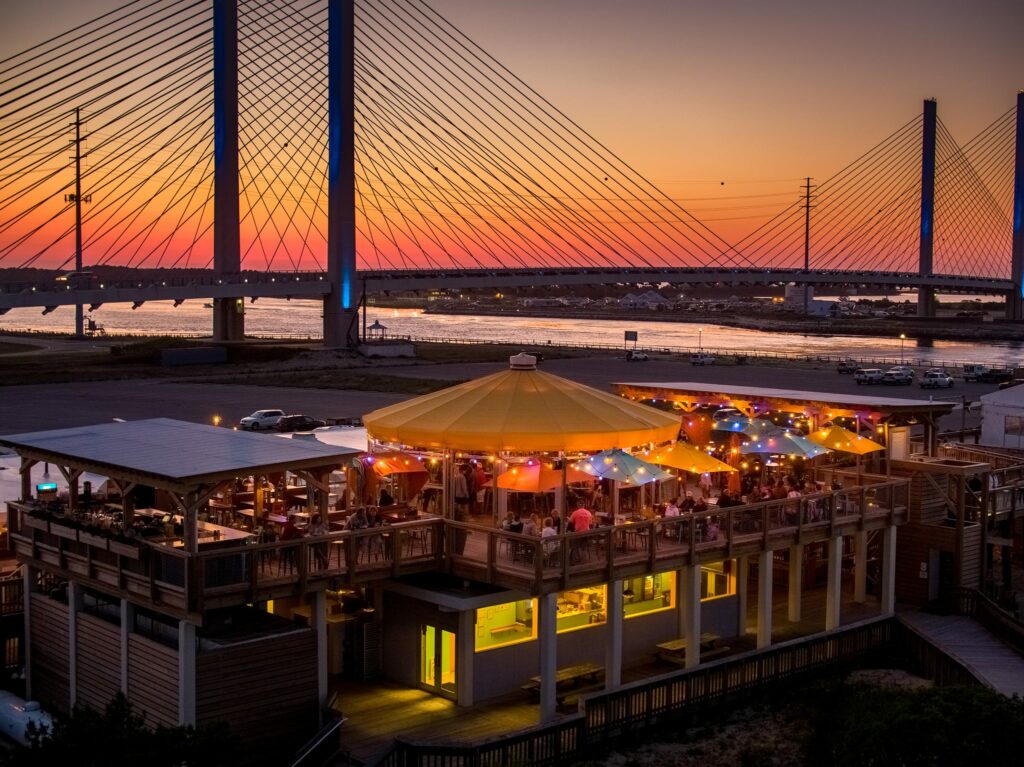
(74,607)
(742,582)
(1015,302)
(186,673)
(318,611)
(613,646)
(860,567)
(548,630)
(887,589)
(796,582)
(764,599)
(28,588)
(26,478)
(690,597)
(834,583)
(341,316)
(465,648)
(228,313)
(926,296)
(127,620)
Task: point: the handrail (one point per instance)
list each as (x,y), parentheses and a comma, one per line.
(996,621)
(318,749)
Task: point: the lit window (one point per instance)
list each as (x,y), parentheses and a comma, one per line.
(648,594)
(507,624)
(581,608)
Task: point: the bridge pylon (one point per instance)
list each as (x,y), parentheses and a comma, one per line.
(926,296)
(341,309)
(1015,300)
(228,313)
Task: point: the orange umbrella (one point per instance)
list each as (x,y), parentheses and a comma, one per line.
(683,455)
(395,462)
(534,477)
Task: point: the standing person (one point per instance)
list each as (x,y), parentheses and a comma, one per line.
(480,481)
(460,491)
(532,525)
(470,475)
(581,520)
(705,484)
(318,527)
(556,521)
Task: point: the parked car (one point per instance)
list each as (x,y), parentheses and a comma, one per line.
(298,423)
(936,379)
(635,355)
(726,413)
(261,420)
(847,366)
(898,377)
(868,375)
(702,358)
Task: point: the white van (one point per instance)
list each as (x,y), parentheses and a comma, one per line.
(868,375)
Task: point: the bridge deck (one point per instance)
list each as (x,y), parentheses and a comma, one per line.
(969,642)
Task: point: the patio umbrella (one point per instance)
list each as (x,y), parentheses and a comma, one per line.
(754,428)
(536,478)
(395,462)
(843,440)
(783,443)
(683,455)
(622,467)
(521,409)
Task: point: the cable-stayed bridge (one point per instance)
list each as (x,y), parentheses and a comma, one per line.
(245,148)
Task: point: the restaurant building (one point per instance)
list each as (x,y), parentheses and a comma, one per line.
(201,619)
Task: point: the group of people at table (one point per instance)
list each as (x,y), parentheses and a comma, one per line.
(583,519)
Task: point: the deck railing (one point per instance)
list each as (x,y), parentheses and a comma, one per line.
(226,574)
(633,710)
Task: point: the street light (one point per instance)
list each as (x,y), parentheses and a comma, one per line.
(903,337)
(700,337)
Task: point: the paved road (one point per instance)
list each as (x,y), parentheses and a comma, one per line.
(49,406)
(53,406)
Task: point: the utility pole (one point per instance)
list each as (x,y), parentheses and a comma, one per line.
(807,240)
(78,199)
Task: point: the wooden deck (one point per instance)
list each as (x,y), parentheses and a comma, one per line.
(969,642)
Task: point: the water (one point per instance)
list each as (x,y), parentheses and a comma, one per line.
(301,319)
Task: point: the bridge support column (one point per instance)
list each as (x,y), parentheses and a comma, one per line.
(860,567)
(228,313)
(887,588)
(926,296)
(548,630)
(1015,301)
(834,583)
(796,582)
(341,316)
(764,600)
(613,647)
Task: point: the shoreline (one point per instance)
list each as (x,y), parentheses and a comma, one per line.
(937,329)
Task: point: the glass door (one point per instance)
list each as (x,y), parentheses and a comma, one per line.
(437,660)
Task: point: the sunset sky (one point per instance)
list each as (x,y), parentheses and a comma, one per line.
(750,93)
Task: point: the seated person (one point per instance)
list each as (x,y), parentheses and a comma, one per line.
(385,497)
(672,509)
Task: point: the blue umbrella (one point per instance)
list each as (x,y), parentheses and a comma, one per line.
(783,443)
(622,467)
(748,427)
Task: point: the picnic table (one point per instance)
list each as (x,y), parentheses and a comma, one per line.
(582,677)
(674,651)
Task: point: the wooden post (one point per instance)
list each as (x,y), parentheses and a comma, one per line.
(613,647)
(833,587)
(691,596)
(186,673)
(465,640)
(547,627)
(764,599)
(26,478)
(860,566)
(318,611)
(796,582)
(742,582)
(127,619)
(888,571)
(74,607)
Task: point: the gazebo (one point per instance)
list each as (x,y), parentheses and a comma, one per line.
(519,411)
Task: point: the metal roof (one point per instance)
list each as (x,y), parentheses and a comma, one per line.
(170,452)
(846,401)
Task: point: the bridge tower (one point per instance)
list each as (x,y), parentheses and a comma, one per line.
(228,313)
(926,296)
(341,315)
(1015,301)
